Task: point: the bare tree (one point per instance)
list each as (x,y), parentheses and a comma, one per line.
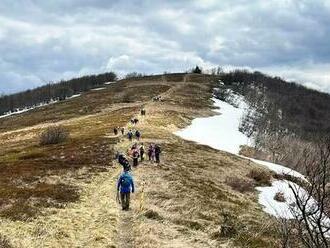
(311,208)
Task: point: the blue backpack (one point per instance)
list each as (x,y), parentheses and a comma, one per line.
(125,181)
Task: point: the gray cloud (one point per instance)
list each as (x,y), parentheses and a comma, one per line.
(52,40)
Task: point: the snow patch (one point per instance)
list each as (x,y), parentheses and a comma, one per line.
(219,131)
(273,207)
(97,89)
(222,132)
(107,83)
(289,209)
(26,109)
(74,96)
(279,169)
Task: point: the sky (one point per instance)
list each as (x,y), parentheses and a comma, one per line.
(46,41)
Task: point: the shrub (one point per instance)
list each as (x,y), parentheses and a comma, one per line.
(240,184)
(151,214)
(229,224)
(279,196)
(54,135)
(262,177)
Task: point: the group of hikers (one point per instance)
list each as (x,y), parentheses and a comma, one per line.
(125,184)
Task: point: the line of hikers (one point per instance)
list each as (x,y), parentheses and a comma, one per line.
(137,152)
(125,184)
(130,134)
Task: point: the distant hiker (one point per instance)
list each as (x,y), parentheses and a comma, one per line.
(137,134)
(135,120)
(142,152)
(135,155)
(132,121)
(157,153)
(122,131)
(115,131)
(125,186)
(143,112)
(151,153)
(156,98)
(130,135)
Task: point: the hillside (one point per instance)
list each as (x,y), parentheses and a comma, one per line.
(64,195)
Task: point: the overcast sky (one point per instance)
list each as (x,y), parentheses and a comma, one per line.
(42,41)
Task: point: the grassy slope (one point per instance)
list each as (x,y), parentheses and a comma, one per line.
(68,189)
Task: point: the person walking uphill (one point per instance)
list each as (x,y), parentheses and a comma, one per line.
(157,153)
(137,134)
(130,135)
(125,186)
(142,152)
(135,156)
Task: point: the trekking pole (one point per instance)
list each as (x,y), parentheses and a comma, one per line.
(117,197)
(142,198)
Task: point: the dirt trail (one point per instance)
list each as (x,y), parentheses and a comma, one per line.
(125,235)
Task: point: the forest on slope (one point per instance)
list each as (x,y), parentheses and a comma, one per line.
(284,119)
(53,91)
(303,111)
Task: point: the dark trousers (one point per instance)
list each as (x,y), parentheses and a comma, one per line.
(135,162)
(125,198)
(142,155)
(157,158)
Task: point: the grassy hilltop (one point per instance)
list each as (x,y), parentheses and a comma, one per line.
(64,195)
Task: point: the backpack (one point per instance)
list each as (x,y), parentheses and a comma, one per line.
(135,154)
(157,149)
(125,181)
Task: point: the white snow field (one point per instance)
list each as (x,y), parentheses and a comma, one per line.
(221,132)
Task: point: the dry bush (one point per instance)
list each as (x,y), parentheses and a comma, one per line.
(4,242)
(151,214)
(240,184)
(279,196)
(229,224)
(54,135)
(261,177)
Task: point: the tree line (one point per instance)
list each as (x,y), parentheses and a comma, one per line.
(285,106)
(53,92)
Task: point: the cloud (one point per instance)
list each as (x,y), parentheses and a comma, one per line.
(52,40)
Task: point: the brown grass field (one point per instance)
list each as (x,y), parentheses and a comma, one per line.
(64,195)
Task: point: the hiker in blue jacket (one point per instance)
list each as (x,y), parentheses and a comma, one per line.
(125,186)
